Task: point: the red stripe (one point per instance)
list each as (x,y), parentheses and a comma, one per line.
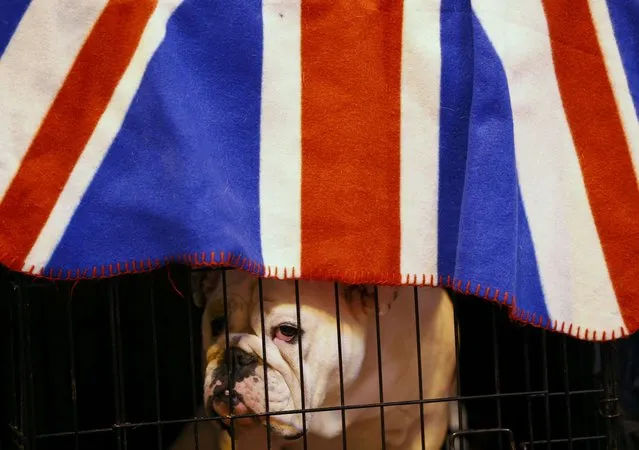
(604,155)
(69,123)
(351,56)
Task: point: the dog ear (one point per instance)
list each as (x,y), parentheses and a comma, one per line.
(203,283)
(363,295)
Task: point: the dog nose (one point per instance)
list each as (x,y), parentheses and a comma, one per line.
(238,358)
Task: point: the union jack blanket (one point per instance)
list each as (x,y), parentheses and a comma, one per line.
(489,146)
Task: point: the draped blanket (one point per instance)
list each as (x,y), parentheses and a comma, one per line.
(489,146)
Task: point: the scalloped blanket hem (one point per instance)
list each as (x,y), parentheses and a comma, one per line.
(213,259)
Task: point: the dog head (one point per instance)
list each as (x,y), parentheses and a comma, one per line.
(254,340)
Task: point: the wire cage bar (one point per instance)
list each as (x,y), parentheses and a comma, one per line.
(118,364)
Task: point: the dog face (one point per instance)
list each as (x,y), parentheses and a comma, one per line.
(265,338)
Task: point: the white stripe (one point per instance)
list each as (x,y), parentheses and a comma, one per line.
(32,70)
(280,146)
(420,96)
(101,139)
(617,76)
(574,275)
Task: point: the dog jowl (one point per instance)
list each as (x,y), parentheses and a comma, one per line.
(233,367)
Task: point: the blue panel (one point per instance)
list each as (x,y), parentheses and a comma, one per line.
(11,12)
(625,21)
(182,175)
(495,247)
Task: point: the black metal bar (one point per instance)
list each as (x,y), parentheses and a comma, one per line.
(567,389)
(18,432)
(309,410)
(460,416)
(121,366)
(458,434)
(260,293)
(62,434)
(584,352)
(597,370)
(15,364)
(544,351)
(496,369)
(27,403)
(332,408)
(156,366)
(228,358)
(574,439)
(380,370)
(341,365)
(192,368)
(420,375)
(301,362)
(562,393)
(116,349)
(74,392)
(528,387)
(609,405)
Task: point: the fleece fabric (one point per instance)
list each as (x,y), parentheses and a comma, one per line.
(490,146)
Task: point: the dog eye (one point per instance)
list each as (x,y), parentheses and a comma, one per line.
(286,333)
(217,326)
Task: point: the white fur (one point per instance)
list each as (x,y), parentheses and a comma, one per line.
(400,365)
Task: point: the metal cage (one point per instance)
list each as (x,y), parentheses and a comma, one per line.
(115,364)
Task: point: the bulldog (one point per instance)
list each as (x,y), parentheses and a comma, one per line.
(252,352)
